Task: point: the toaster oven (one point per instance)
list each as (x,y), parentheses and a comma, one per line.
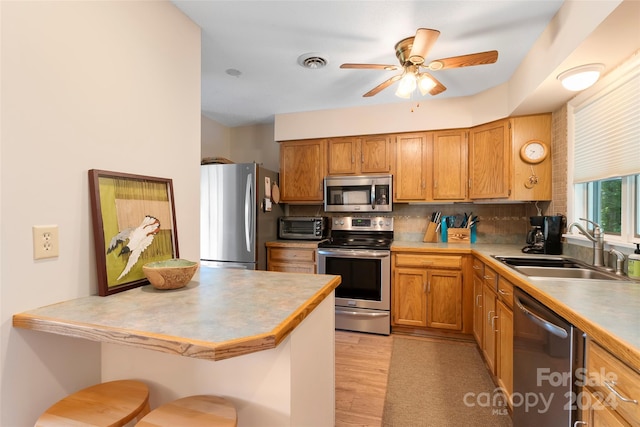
(303,227)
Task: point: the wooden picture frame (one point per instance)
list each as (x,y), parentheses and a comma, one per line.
(134,223)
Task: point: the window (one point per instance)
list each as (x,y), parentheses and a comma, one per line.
(604,143)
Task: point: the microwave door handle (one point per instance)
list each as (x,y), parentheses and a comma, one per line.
(373,195)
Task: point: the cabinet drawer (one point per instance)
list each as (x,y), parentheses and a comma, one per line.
(436,261)
(292,254)
(505,291)
(490,277)
(478,267)
(624,383)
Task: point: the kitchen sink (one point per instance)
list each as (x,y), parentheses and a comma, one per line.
(539,261)
(556,267)
(566,273)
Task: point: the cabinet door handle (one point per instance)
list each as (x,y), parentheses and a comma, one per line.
(429,286)
(577,423)
(477,303)
(489,314)
(424,287)
(493,323)
(503,292)
(476,267)
(610,385)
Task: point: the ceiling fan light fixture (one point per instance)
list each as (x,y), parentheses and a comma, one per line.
(580,78)
(425,83)
(406,85)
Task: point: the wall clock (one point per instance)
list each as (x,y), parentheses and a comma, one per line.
(534,151)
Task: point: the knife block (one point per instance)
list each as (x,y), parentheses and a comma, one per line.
(430,236)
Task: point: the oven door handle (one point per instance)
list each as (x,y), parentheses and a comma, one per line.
(362,314)
(355,254)
(543,323)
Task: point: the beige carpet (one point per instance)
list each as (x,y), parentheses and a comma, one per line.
(440,384)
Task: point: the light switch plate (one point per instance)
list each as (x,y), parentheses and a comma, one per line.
(45,241)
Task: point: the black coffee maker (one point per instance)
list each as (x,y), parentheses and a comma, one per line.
(545,235)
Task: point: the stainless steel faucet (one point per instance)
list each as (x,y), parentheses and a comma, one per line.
(597,238)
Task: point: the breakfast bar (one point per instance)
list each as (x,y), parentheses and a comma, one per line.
(265,340)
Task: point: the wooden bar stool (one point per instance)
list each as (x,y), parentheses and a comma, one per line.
(110,404)
(193,411)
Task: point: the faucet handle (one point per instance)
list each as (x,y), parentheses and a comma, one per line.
(596,227)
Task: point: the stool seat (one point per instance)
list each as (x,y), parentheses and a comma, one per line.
(192,411)
(110,404)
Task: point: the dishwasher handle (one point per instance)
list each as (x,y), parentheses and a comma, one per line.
(543,323)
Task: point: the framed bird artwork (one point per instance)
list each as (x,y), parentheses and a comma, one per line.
(134,223)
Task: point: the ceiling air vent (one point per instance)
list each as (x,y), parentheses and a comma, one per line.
(312,60)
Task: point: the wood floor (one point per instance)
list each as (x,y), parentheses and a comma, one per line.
(362,365)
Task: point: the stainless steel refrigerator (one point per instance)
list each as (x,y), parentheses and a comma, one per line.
(235,219)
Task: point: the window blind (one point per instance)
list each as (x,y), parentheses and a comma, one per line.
(607,131)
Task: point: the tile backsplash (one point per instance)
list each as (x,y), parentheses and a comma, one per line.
(499,223)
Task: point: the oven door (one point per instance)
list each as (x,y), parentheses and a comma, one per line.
(366,276)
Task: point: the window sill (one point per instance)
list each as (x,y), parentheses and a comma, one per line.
(609,242)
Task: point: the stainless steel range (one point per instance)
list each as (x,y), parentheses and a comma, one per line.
(359,250)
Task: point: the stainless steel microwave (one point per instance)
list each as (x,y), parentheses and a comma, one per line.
(358,193)
(303,227)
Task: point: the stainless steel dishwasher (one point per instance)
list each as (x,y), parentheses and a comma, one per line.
(548,365)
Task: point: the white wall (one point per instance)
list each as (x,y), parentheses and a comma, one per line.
(255,144)
(106,85)
(216,139)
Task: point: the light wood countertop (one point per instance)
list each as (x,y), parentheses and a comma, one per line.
(608,311)
(221,313)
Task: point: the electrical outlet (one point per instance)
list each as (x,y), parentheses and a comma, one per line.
(45,241)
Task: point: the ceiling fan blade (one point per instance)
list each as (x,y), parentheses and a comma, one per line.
(371,66)
(438,88)
(480,58)
(422,43)
(385,84)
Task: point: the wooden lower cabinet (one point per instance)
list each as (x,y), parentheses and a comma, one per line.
(291,259)
(427,292)
(594,413)
(504,346)
(612,392)
(493,323)
(409,297)
(489,327)
(444,298)
(478,316)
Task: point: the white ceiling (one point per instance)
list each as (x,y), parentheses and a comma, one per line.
(263,39)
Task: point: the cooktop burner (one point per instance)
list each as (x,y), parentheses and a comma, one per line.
(360,233)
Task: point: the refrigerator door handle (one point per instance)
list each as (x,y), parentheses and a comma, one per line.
(248,211)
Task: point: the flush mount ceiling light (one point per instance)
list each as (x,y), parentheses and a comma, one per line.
(582,77)
(313,61)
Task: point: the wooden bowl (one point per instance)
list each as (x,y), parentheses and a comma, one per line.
(170,274)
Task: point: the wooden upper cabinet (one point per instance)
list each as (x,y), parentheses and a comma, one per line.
(375,154)
(490,161)
(361,155)
(450,165)
(532,181)
(342,154)
(302,170)
(411,180)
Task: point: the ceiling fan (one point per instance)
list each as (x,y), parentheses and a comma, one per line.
(412,52)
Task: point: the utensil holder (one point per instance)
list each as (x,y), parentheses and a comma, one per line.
(457,235)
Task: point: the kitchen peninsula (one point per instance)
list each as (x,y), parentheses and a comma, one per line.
(263,339)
